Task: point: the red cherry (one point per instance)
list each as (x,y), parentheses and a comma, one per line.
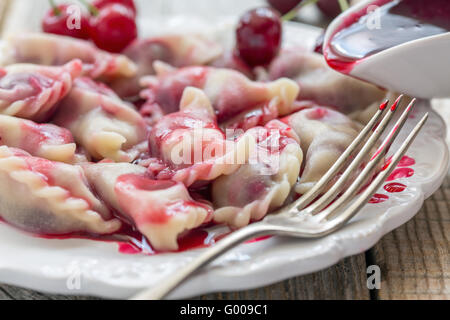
(100,4)
(114,28)
(330,8)
(259,36)
(60,20)
(284,6)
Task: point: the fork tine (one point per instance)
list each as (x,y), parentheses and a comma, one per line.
(362,200)
(370,167)
(323,182)
(334,191)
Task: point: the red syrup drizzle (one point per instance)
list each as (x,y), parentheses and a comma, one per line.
(406,162)
(403,170)
(401,173)
(195,239)
(259,239)
(128,248)
(135,243)
(132,242)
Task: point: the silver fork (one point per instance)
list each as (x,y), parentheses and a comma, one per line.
(307,218)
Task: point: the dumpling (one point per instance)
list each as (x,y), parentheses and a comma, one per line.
(177,50)
(192,145)
(324,135)
(364,115)
(262,115)
(54,50)
(105,126)
(264,183)
(229,91)
(41,140)
(320,83)
(258,116)
(50,198)
(160,210)
(32,92)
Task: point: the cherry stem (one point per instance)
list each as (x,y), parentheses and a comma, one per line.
(56,10)
(293,13)
(343,4)
(92,9)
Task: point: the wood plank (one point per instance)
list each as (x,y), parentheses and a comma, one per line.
(414,259)
(24,15)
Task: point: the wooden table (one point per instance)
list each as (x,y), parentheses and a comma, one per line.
(414,259)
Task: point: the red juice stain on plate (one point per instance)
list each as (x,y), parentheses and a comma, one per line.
(379,198)
(401,173)
(128,248)
(195,239)
(131,241)
(395,187)
(404,162)
(387,163)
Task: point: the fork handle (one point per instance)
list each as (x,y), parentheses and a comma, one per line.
(165,287)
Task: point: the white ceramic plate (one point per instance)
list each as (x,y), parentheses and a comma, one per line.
(86,267)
